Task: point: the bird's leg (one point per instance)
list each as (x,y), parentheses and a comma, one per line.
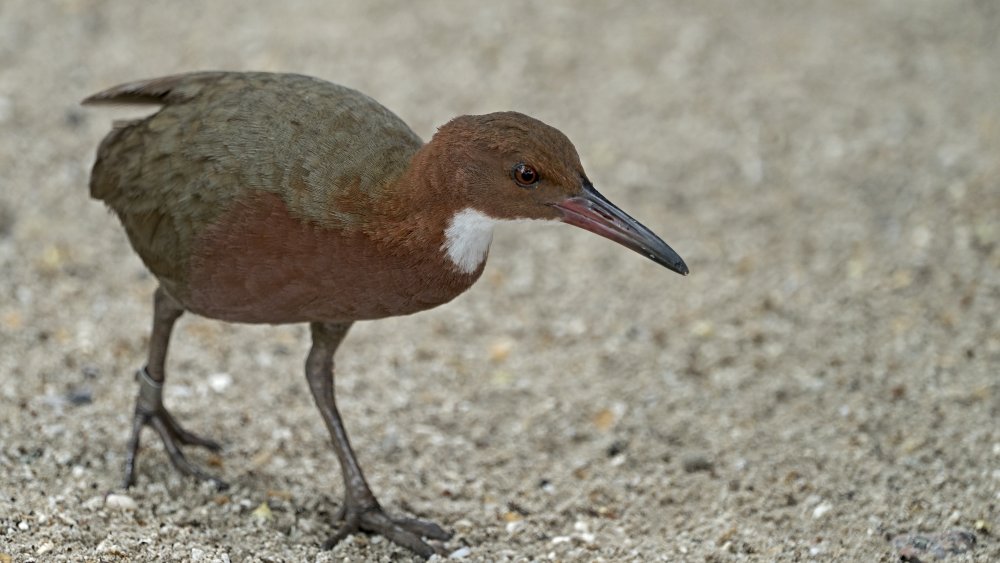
(361,511)
(149,409)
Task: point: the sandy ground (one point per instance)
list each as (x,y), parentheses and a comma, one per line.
(823,383)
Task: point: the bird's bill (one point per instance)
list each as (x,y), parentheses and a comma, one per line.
(592,211)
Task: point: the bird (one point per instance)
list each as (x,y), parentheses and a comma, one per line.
(277,198)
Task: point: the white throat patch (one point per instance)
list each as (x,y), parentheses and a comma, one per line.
(467,239)
(468,236)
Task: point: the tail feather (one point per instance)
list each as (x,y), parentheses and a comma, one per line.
(156,91)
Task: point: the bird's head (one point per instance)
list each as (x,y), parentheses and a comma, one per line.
(508,167)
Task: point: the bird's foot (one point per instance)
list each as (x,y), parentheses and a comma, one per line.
(405,532)
(149,411)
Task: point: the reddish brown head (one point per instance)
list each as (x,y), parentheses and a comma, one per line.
(511,165)
(508,166)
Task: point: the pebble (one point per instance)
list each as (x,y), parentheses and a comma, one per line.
(197,554)
(511,516)
(463,524)
(108,546)
(23,526)
(120,502)
(263,513)
(93,503)
(696,462)
(460,553)
(500,350)
(912,547)
(822,509)
(219,382)
(604,419)
(702,328)
(79,397)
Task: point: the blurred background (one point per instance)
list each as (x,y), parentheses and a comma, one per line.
(823,385)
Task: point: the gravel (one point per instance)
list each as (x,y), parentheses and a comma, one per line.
(823,386)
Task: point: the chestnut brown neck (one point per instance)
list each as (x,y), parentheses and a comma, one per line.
(423,200)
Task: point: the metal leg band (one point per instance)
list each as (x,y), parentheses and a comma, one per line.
(150,392)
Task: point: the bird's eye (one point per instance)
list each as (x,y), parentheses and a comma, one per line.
(525,175)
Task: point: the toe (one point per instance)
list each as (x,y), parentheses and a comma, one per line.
(379,523)
(183,436)
(423,528)
(177,458)
(405,532)
(351,525)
